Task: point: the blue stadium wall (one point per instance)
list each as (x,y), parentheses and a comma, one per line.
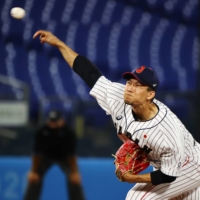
(98,178)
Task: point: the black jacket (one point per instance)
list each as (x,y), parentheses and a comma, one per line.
(55,143)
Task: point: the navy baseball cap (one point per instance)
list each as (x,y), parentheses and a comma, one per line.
(145,75)
(54,116)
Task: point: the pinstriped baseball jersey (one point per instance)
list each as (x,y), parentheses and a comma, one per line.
(164,138)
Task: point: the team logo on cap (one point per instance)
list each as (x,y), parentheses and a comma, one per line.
(139,70)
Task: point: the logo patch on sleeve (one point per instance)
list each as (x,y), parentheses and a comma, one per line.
(119,117)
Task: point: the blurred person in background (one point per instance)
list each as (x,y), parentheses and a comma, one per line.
(54,143)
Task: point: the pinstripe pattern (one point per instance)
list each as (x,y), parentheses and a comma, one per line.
(165,139)
(184,187)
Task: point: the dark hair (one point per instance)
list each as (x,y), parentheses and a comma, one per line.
(149,88)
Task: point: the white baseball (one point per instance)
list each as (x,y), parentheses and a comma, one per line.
(17,12)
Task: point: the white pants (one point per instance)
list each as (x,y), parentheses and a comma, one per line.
(186,186)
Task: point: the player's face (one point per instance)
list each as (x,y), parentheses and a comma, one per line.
(135,93)
(57,124)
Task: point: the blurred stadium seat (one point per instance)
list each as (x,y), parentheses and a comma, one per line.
(116,35)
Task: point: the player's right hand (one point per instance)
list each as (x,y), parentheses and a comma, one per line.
(33,177)
(48,37)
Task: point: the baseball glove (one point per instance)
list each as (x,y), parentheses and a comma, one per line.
(130,158)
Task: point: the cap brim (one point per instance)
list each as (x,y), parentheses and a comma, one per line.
(130,75)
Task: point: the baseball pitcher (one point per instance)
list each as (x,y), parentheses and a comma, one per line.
(156,134)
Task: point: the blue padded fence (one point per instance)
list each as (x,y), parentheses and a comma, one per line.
(98,179)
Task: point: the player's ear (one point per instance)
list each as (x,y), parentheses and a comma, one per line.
(151,95)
